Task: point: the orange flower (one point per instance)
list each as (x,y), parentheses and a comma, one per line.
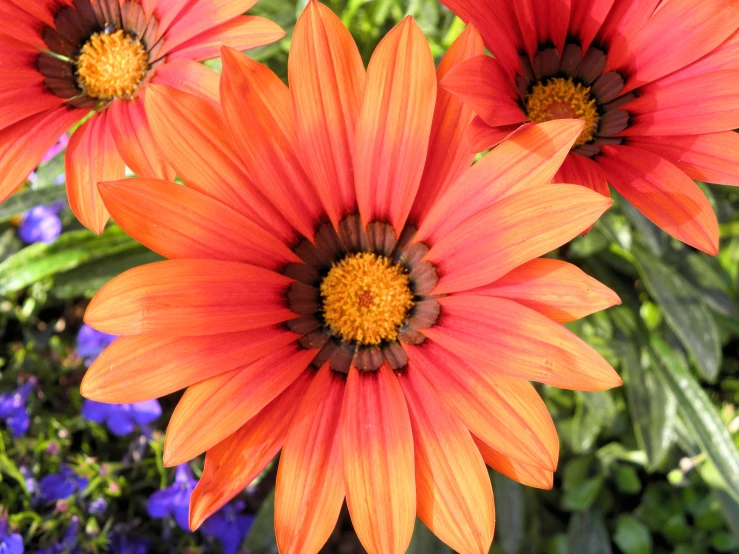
(60,59)
(342,286)
(657,84)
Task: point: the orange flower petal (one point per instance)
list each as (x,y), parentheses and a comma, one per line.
(211,410)
(195,138)
(663,193)
(586,18)
(189,297)
(543,22)
(377,455)
(189,76)
(182,223)
(526,474)
(91,157)
(135,142)
(242,33)
(17,102)
(515,230)
(624,20)
(501,336)
(142,367)
(449,153)
(395,125)
(326,109)
(455,499)
(579,170)
(484,137)
(266,137)
(24,144)
(310,487)
(556,289)
(504,411)
(237,460)
(527,160)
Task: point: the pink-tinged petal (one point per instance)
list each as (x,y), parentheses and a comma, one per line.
(663,193)
(722,58)
(586,19)
(449,153)
(190,297)
(394,125)
(142,367)
(20,102)
(517,229)
(327,109)
(502,336)
(625,19)
(498,26)
(706,103)
(310,486)
(243,33)
(579,170)
(712,158)
(194,137)
(527,160)
(482,84)
(505,412)
(24,144)
(377,455)
(191,77)
(556,289)
(484,137)
(135,142)
(661,46)
(182,223)
(165,11)
(232,464)
(455,499)
(201,16)
(20,25)
(213,409)
(92,157)
(526,474)
(543,22)
(43,10)
(258,111)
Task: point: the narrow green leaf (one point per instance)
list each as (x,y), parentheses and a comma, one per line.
(701,416)
(510,526)
(27,199)
(730,510)
(685,312)
(8,467)
(587,534)
(261,539)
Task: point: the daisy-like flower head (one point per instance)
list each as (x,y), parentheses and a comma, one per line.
(62,59)
(656,83)
(342,286)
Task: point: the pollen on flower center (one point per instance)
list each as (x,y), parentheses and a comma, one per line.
(111,65)
(561,98)
(366,298)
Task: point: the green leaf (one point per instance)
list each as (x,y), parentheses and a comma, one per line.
(511,522)
(730,510)
(25,200)
(587,534)
(425,542)
(632,536)
(653,408)
(261,539)
(71,250)
(8,467)
(684,310)
(701,416)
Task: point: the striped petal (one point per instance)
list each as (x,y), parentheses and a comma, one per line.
(586,19)
(579,170)
(189,76)
(526,474)
(310,487)
(377,455)
(190,297)
(543,22)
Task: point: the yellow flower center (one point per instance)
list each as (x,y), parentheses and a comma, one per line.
(563,99)
(111,65)
(366,298)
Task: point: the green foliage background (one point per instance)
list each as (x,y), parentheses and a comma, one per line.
(652,467)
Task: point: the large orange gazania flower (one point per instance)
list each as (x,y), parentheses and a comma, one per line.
(657,83)
(342,286)
(60,59)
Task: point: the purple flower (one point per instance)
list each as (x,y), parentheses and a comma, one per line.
(56,149)
(175,499)
(133,545)
(13,409)
(90,343)
(9,543)
(122,419)
(98,506)
(59,486)
(41,224)
(68,545)
(229,526)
